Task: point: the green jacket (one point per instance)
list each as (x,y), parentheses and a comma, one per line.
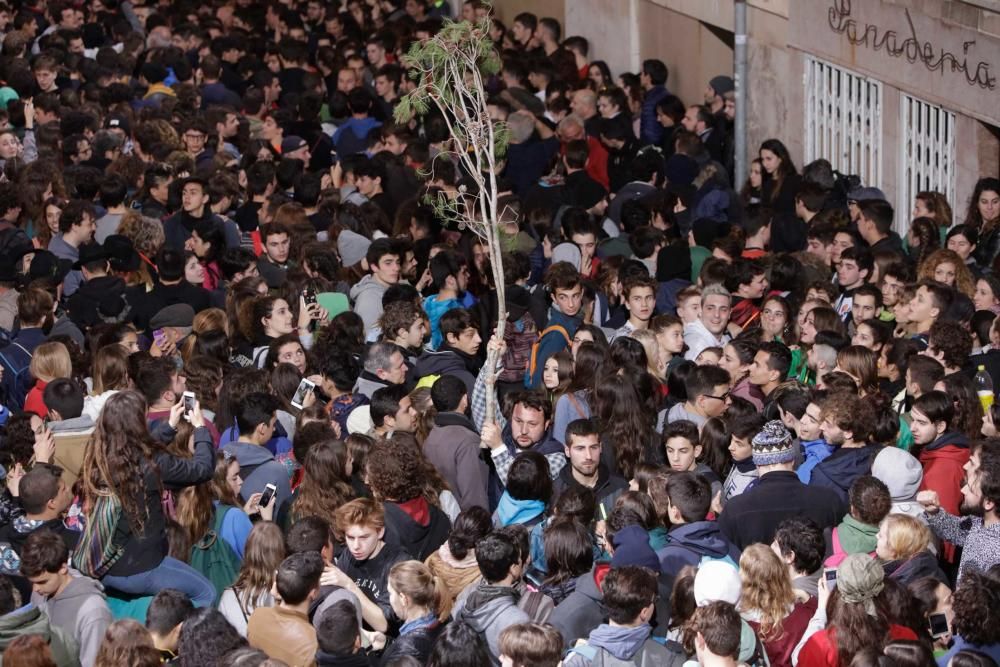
(30,620)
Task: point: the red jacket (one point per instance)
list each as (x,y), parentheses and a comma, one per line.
(943,469)
(821,649)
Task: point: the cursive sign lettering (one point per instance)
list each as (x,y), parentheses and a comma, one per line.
(877,38)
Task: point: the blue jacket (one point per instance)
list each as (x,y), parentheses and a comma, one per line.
(650,130)
(689,543)
(550,344)
(842,467)
(814,452)
(351,137)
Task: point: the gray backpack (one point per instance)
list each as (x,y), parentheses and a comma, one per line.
(651,654)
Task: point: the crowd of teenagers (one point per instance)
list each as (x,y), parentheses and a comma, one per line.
(243,384)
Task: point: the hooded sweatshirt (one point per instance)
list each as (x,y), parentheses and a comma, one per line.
(489,611)
(266,470)
(689,543)
(903,475)
(416,526)
(853,537)
(943,462)
(512,511)
(80,610)
(582,610)
(839,470)
(621,642)
(30,620)
(366,296)
(814,451)
(447,361)
(435,307)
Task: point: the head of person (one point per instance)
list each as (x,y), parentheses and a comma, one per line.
(460,331)
(869,499)
(392,409)
(770,364)
(361,525)
(949,343)
(499,558)
(256,417)
(529,479)
(713,631)
(855,267)
(922,373)
(63,399)
(847,418)
(681,444)
(800,545)
(707,389)
(931,300)
(583,446)
(383,261)
(689,497)
(530,645)
(386,362)
(866,303)
(338,632)
(530,418)
(564,284)
(44,557)
(44,494)
(297,578)
(449,394)
(901,537)
(716,304)
(166,614)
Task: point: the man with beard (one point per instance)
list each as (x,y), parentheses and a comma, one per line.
(978,532)
(848,423)
(583,453)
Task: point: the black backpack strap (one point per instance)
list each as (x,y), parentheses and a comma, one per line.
(246,471)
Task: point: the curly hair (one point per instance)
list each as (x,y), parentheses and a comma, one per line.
(396,470)
(325,485)
(118,454)
(120,639)
(925,230)
(205,637)
(850,413)
(976,603)
(18,441)
(204,375)
(964,281)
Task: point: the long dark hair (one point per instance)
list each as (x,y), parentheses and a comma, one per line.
(972,215)
(118,455)
(626,429)
(786,168)
(325,485)
(589,366)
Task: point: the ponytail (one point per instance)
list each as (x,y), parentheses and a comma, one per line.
(415,580)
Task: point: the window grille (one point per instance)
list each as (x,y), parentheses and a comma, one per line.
(926,154)
(844,120)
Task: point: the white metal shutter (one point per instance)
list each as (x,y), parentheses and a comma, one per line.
(926,154)
(843,120)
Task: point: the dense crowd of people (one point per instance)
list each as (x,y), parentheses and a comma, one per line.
(243,361)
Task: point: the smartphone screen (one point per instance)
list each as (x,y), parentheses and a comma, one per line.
(266,496)
(939,625)
(298,400)
(831,579)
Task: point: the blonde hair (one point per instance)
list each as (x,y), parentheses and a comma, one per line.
(906,535)
(50,361)
(767,588)
(424,589)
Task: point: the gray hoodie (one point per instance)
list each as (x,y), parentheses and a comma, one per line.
(366,296)
(490,610)
(80,610)
(624,645)
(902,474)
(266,470)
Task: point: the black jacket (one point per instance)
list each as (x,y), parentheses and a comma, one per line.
(840,469)
(419,540)
(416,643)
(98,300)
(146,550)
(607,490)
(754,515)
(148,304)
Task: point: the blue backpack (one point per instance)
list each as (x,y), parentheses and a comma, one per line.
(17,380)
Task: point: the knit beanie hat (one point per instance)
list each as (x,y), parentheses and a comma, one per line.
(772,445)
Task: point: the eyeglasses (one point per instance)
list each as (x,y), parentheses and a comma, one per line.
(718,398)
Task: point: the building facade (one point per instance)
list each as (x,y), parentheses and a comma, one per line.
(903,93)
